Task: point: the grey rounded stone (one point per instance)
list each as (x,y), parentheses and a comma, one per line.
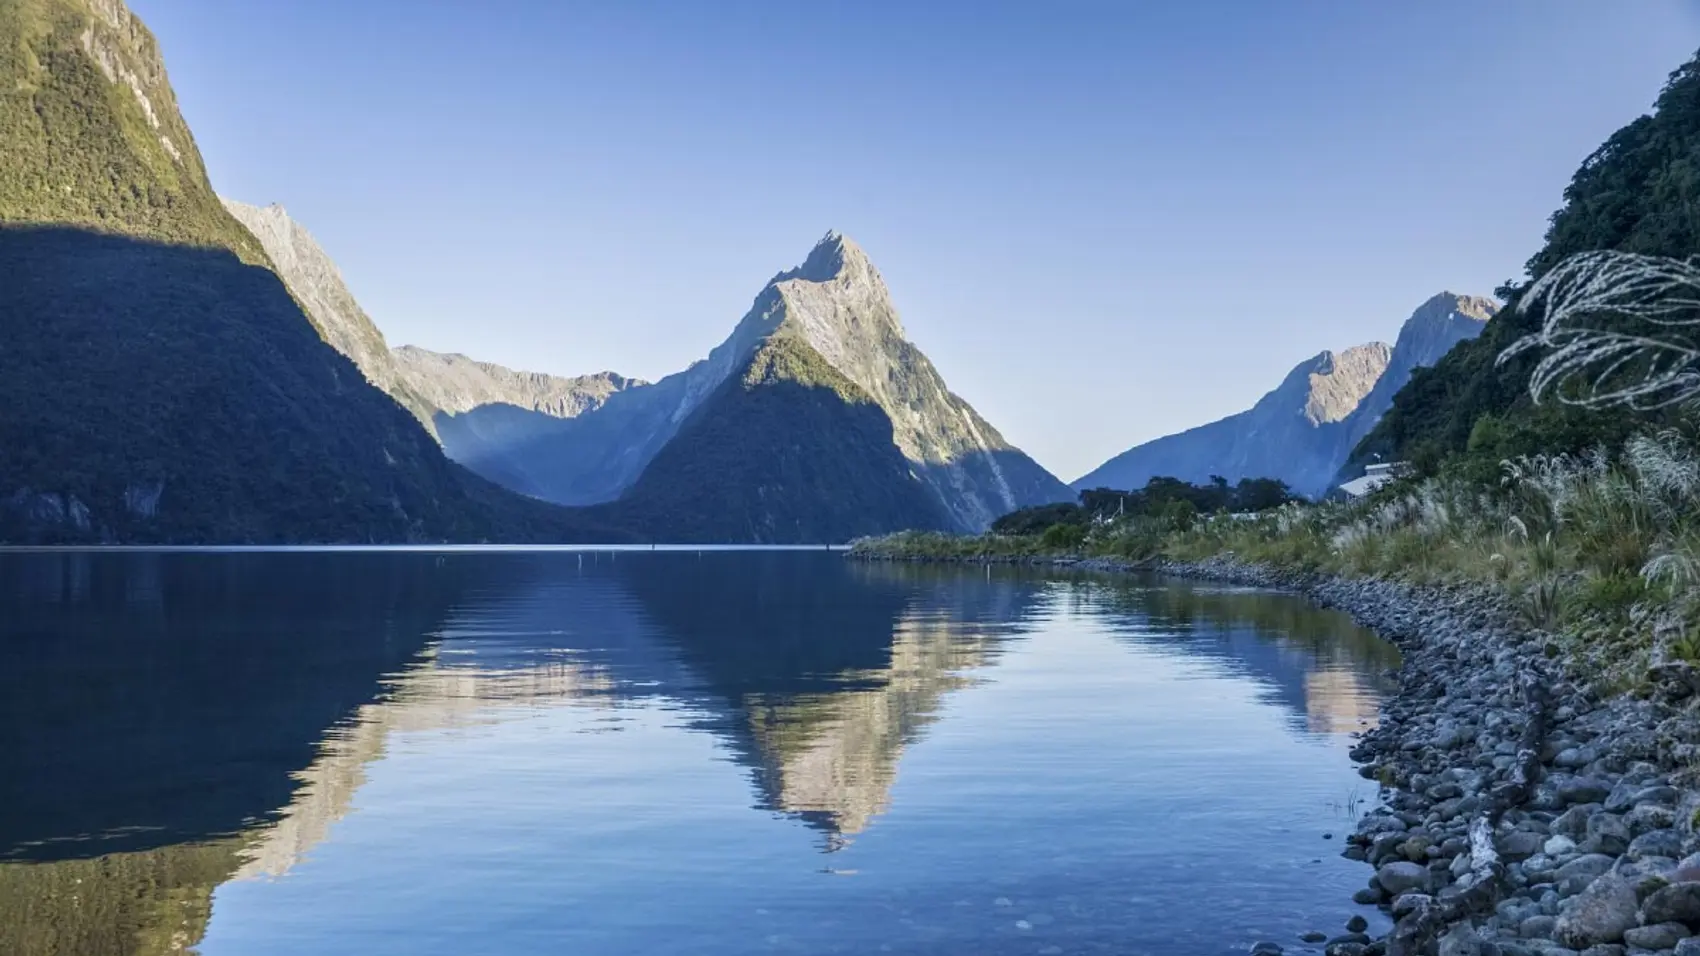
(1584,790)
(1521,844)
(1409,903)
(1402,876)
(1656,936)
(1649,817)
(1537,927)
(1606,834)
(1599,914)
(1677,903)
(1589,865)
(1660,795)
(1666,843)
(1573,822)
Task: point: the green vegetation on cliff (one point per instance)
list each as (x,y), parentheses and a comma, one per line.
(789,451)
(1585,519)
(92,133)
(160,384)
(1601,552)
(1639,192)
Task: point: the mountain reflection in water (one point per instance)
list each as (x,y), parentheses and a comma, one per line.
(176,721)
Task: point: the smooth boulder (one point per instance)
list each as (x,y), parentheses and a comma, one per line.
(1599,914)
(1402,877)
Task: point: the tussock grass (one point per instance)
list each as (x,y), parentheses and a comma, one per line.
(1599,551)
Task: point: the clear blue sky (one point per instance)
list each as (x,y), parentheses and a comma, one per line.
(1103,221)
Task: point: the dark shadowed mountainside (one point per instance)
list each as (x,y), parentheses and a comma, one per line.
(160,382)
(788,451)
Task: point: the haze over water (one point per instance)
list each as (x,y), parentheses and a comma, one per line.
(716,753)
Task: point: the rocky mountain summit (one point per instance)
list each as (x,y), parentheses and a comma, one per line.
(1433,330)
(1304,430)
(834,307)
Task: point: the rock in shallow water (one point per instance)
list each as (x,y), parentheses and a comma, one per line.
(1402,877)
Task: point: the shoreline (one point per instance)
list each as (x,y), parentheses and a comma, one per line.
(1521,812)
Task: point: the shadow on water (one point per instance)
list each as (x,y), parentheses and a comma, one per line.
(154,707)
(174,721)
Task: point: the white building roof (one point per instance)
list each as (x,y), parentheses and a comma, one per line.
(1358,487)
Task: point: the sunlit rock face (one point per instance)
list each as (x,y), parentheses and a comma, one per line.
(835,303)
(452,384)
(432,385)
(316,282)
(1304,430)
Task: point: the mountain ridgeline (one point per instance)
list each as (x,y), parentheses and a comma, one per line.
(182,368)
(160,383)
(1304,431)
(837,308)
(787,432)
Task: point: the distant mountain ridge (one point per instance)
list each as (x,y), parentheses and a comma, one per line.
(160,383)
(837,306)
(608,441)
(451,383)
(1303,431)
(316,282)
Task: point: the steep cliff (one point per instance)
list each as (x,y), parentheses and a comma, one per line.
(837,305)
(317,284)
(789,451)
(160,382)
(1300,432)
(1304,431)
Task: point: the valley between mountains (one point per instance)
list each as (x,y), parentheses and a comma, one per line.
(188,368)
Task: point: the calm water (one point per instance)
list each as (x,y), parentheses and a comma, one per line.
(664,753)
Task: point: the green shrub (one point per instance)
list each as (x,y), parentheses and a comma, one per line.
(1063,537)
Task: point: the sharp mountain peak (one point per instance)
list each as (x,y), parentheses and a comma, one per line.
(836,257)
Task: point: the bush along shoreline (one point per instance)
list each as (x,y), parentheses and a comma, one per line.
(1528,807)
